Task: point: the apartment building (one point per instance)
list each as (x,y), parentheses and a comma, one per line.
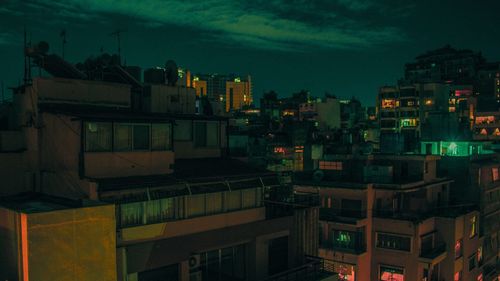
(387,217)
(182,210)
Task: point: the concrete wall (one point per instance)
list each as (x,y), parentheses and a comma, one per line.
(170,99)
(187,150)
(9,243)
(123,164)
(82,92)
(73,244)
(188,226)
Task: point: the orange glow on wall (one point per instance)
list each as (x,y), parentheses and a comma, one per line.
(24,247)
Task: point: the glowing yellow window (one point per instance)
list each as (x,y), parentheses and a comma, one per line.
(473,227)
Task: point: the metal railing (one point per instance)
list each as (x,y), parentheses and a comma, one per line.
(313,270)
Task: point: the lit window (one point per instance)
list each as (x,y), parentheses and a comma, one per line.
(457,276)
(480,277)
(389,273)
(428,102)
(494,173)
(480,255)
(496,132)
(408,122)
(388,103)
(483,132)
(473,226)
(330,165)
(393,242)
(458,248)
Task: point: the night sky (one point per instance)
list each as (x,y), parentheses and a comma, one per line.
(345,47)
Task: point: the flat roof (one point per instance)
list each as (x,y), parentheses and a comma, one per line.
(193,171)
(94,113)
(33,202)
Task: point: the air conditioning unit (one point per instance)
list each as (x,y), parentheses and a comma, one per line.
(194,268)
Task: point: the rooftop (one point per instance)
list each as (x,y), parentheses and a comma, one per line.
(98,113)
(191,171)
(32,202)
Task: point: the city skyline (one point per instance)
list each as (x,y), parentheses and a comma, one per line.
(347,48)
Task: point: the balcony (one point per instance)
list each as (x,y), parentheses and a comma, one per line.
(355,247)
(341,215)
(279,205)
(433,255)
(314,269)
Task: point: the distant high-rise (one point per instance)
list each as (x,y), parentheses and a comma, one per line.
(233,90)
(238,93)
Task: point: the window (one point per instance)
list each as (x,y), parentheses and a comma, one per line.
(393,242)
(206,134)
(129,137)
(494,172)
(458,249)
(123,137)
(330,165)
(161,136)
(472,262)
(389,273)
(141,137)
(200,134)
(97,136)
(344,239)
(183,130)
(473,226)
(480,255)
(212,134)
(457,276)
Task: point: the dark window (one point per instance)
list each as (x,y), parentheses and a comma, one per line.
(200,134)
(183,130)
(472,262)
(161,136)
(97,136)
(394,242)
(141,137)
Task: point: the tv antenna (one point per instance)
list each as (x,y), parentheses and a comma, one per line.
(117,33)
(63,37)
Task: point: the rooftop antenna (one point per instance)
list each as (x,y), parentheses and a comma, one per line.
(117,34)
(63,37)
(25,78)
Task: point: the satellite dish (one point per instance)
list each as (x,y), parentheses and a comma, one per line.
(42,47)
(318,175)
(171,72)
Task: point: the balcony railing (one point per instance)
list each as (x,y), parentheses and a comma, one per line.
(279,206)
(358,247)
(313,270)
(419,215)
(341,215)
(433,252)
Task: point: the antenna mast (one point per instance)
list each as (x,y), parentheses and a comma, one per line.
(117,34)
(63,37)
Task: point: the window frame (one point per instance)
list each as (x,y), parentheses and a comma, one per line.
(393,249)
(150,125)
